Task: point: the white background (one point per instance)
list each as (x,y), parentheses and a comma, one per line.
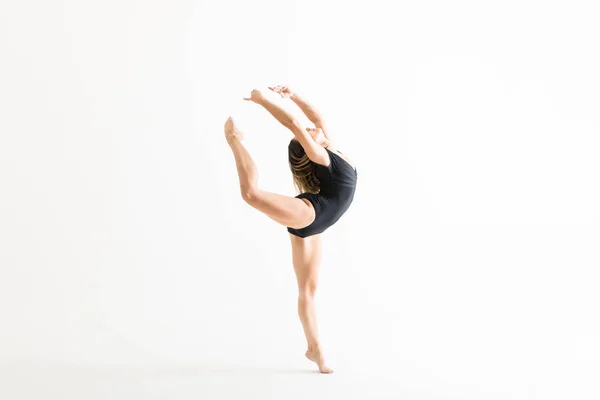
(466,267)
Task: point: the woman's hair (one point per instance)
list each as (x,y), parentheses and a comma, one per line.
(303,169)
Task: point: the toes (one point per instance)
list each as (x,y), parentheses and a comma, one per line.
(326,370)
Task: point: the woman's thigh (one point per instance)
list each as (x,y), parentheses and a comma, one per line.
(291,212)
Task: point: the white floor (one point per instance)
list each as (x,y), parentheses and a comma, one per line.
(204,382)
(20,381)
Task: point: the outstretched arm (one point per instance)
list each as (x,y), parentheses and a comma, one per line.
(285,118)
(314,151)
(309,110)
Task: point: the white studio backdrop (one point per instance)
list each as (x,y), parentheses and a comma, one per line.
(469,257)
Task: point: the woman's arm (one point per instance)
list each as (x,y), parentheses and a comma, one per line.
(313,115)
(280,114)
(313,150)
(309,110)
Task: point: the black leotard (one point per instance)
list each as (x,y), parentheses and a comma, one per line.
(337,184)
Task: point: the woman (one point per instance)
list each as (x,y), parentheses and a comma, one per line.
(327,180)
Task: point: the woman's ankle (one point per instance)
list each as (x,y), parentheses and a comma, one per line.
(314,347)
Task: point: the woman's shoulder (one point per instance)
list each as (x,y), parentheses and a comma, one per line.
(332,150)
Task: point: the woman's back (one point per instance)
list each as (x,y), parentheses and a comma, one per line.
(337,183)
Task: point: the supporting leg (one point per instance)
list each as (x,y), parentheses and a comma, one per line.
(306,253)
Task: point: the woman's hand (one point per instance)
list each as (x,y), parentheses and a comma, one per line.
(283,91)
(255,96)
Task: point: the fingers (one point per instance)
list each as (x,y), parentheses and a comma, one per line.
(279,89)
(276,90)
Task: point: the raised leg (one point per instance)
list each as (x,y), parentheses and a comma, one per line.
(306,255)
(288,211)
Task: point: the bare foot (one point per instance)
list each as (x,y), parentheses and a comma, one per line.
(232,133)
(316,356)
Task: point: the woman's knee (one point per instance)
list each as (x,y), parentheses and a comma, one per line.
(308,290)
